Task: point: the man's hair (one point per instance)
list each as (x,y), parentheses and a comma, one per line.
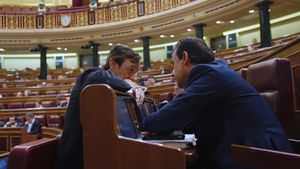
(29,115)
(119,53)
(58,97)
(197,50)
(14,117)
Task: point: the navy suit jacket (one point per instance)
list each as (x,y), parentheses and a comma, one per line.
(222,109)
(70,151)
(36,127)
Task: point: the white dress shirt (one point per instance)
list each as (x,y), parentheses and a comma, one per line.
(29,126)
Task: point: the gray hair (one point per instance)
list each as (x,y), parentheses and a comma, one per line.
(29,115)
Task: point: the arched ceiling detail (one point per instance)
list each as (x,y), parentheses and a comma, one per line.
(173,21)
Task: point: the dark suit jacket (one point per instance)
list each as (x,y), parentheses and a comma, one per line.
(62,104)
(70,152)
(222,109)
(36,127)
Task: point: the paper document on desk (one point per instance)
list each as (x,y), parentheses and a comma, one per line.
(188,138)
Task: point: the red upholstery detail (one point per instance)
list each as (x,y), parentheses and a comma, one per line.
(272,79)
(54,121)
(29,104)
(39,154)
(42,119)
(2,106)
(16,105)
(48,104)
(21,119)
(4,119)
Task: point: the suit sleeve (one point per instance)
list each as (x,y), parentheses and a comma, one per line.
(201,95)
(36,127)
(105,77)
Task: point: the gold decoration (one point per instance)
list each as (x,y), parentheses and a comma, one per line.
(80,18)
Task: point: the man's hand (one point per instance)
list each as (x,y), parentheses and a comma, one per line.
(139,94)
(137,91)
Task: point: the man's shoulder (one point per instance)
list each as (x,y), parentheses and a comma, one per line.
(97,74)
(36,121)
(89,71)
(101,76)
(213,67)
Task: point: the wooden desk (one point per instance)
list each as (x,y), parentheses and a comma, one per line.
(189,152)
(103,142)
(48,132)
(3,155)
(10,137)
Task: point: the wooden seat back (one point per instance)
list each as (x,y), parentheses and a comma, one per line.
(39,154)
(263,159)
(103,145)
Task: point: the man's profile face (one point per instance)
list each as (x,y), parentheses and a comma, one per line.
(178,71)
(12,120)
(125,70)
(29,119)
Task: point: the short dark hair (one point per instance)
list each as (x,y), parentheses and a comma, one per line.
(15,117)
(197,50)
(121,52)
(29,115)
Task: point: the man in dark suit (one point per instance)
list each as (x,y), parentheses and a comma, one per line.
(33,125)
(218,106)
(60,102)
(121,64)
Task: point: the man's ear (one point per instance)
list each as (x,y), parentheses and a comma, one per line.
(111,63)
(185,58)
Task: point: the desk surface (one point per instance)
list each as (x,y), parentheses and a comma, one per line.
(187,147)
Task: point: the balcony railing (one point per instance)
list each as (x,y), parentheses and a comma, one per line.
(84,16)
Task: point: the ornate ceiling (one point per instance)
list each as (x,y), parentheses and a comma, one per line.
(174,21)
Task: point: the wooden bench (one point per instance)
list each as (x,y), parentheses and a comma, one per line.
(162,88)
(28,83)
(32,99)
(103,144)
(39,154)
(264,159)
(10,137)
(41,90)
(159,78)
(35,111)
(150,72)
